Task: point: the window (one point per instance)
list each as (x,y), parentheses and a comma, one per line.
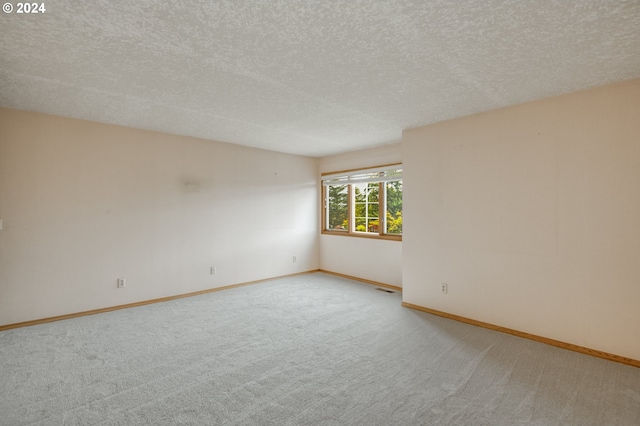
(363,203)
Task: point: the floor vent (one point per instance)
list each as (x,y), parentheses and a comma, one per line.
(386,290)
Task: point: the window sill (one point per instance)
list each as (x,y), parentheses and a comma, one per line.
(388,237)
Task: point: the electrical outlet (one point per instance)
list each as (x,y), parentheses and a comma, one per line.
(122,282)
(444,288)
(212,271)
(295,259)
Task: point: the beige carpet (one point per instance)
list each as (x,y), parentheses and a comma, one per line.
(308,350)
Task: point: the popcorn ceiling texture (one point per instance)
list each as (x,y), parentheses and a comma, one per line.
(302,77)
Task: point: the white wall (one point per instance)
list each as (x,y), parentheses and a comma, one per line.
(84,203)
(371,259)
(531,214)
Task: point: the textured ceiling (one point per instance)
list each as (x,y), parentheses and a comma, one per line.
(307,77)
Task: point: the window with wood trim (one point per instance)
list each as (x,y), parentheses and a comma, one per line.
(363,203)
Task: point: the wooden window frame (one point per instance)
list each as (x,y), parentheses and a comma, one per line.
(350,231)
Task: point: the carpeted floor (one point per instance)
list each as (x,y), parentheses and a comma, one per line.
(308,350)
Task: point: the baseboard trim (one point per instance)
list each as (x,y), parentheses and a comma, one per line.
(569,346)
(144,302)
(362,280)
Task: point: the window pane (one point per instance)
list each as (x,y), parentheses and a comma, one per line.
(337,206)
(360,193)
(373,209)
(373,188)
(366,207)
(394,207)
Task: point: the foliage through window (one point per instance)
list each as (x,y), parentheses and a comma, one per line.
(364,202)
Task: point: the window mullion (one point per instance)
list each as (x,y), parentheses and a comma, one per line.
(351,209)
(325,208)
(382,217)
